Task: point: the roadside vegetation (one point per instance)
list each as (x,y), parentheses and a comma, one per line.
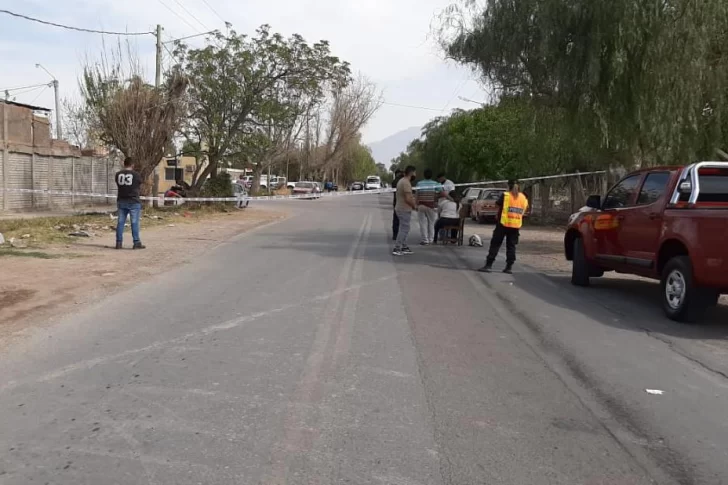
(581,85)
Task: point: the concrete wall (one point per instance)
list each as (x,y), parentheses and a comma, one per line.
(44,172)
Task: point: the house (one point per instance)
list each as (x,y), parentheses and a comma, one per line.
(173,169)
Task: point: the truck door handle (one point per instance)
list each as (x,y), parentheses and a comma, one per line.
(653,216)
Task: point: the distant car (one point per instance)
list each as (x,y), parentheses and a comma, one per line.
(470,195)
(484,209)
(307,188)
(373,183)
(357,186)
(291,185)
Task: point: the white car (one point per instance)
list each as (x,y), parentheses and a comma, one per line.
(373,183)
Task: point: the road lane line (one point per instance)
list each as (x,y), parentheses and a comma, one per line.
(231,324)
(298,434)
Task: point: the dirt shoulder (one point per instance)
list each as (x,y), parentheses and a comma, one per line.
(46,280)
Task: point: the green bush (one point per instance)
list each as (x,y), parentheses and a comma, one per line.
(220,186)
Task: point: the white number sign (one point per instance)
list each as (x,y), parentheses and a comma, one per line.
(124,179)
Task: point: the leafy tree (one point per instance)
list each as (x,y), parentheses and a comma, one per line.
(646,82)
(248,95)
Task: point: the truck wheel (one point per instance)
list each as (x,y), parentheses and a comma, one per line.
(682,300)
(580,266)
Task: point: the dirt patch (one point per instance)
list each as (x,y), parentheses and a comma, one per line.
(33,289)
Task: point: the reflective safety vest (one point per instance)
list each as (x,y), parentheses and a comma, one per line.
(513,210)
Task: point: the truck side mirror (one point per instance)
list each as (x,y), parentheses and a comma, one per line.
(594,202)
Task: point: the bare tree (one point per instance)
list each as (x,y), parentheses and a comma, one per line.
(129,114)
(351,107)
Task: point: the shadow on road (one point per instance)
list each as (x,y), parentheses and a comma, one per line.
(635,302)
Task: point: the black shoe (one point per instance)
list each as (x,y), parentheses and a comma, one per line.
(406,250)
(486,269)
(424,243)
(139,246)
(509,269)
(119,245)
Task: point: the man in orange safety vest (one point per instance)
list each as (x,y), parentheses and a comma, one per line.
(512,207)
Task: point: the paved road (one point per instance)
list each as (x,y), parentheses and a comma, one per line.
(303,353)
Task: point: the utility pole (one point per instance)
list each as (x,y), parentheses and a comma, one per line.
(157,84)
(59,128)
(54,83)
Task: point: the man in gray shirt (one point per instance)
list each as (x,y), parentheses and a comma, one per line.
(404,205)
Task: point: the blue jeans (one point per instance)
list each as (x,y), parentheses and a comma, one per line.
(134,210)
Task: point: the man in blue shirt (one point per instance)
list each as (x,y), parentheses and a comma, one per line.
(426,196)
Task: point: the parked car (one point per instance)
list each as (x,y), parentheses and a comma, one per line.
(469,196)
(356,186)
(307,188)
(484,209)
(291,185)
(667,223)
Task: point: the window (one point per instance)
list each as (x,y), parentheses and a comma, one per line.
(713,186)
(173,174)
(653,188)
(621,194)
(492,195)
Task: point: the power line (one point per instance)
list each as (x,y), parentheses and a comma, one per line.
(41,92)
(189,37)
(214,11)
(79,29)
(23,87)
(191,15)
(413,107)
(178,15)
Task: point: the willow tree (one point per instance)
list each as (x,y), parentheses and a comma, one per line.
(650,78)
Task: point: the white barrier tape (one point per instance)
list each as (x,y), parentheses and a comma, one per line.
(280,197)
(201,199)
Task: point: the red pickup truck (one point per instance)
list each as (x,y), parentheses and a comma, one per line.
(666,223)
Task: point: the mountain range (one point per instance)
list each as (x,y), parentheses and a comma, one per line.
(383,151)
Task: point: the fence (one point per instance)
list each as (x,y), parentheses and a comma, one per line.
(41,172)
(554,198)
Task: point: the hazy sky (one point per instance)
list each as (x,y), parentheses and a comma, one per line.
(389,41)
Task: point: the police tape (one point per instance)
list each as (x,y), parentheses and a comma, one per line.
(318,195)
(242,198)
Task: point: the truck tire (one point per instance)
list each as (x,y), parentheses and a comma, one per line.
(682,300)
(580,266)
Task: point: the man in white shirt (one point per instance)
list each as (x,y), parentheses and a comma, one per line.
(447,184)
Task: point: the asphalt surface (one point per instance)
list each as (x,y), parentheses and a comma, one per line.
(304,353)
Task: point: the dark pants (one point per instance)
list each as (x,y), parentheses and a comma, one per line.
(395,226)
(511,237)
(446,221)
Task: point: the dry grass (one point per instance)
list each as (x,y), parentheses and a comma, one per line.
(41,232)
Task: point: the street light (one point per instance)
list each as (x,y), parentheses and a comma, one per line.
(59,129)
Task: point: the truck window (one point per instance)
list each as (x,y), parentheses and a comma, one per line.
(621,194)
(713,186)
(653,188)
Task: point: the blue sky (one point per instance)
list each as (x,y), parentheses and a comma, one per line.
(388,41)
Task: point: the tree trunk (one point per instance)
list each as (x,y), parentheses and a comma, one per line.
(257,172)
(545,191)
